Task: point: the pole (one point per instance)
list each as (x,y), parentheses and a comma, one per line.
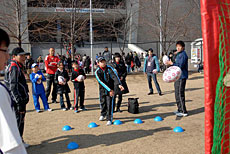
(160,30)
(91,36)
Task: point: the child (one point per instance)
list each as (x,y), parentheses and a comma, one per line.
(37,88)
(79,87)
(61,78)
(121,69)
(109,85)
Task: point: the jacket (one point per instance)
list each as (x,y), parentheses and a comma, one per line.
(29,63)
(154,64)
(16,83)
(108,80)
(75,74)
(51,64)
(182,62)
(36,87)
(62,89)
(122,72)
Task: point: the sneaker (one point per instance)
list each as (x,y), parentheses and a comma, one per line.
(150,93)
(176,112)
(83,109)
(38,111)
(182,114)
(64,109)
(119,110)
(160,94)
(50,110)
(71,108)
(109,123)
(102,118)
(26,145)
(54,101)
(76,111)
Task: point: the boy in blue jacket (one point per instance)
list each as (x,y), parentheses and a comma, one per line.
(36,78)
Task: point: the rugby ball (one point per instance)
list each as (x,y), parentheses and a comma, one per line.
(39,81)
(172,74)
(165,59)
(61,79)
(80,78)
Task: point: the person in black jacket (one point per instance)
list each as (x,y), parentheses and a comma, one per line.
(121,69)
(16,83)
(129,60)
(79,86)
(61,78)
(109,86)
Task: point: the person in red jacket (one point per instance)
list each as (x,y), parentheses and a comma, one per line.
(51,67)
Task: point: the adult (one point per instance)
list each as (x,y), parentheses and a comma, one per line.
(137,61)
(182,62)
(28,63)
(107,55)
(87,65)
(16,83)
(128,61)
(69,63)
(51,67)
(10,140)
(151,68)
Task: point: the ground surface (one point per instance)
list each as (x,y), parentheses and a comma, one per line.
(43,131)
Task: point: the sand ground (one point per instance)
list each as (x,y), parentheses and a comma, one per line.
(43,131)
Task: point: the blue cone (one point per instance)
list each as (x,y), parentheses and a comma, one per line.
(92,125)
(66,128)
(117,122)
(138,121)
(72,145)
(158,118)
(178,129)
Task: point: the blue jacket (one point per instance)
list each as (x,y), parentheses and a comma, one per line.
(155,65)
(37,88)
(182,62)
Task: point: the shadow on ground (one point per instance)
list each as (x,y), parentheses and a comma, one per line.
(59,144)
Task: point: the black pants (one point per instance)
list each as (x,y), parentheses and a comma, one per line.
(106,106)
(179,86)
(67,100)
(20,117)
(118,104)
(50,81)
(79,93)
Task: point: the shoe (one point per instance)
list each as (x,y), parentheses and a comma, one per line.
(50,110)
(54,101)
(150,93)
(71,108)
(118,110)
(182,114)
(26,145)
(38,111)
(83,109)
(160,94)
(109,123)
(102,118)
(64,109)
(76,111)
(176,112)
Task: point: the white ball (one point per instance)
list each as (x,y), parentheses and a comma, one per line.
(155,71)
(39,81)
(80,78)
(165,59)
(61,79)
(172,74)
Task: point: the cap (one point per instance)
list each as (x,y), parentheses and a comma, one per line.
(101,58)
(19,51)
(34,65)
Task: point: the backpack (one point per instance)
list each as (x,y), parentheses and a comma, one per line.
(133,106)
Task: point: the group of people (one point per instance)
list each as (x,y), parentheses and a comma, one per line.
(111,76)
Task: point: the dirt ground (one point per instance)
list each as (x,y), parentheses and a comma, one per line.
(43,131)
